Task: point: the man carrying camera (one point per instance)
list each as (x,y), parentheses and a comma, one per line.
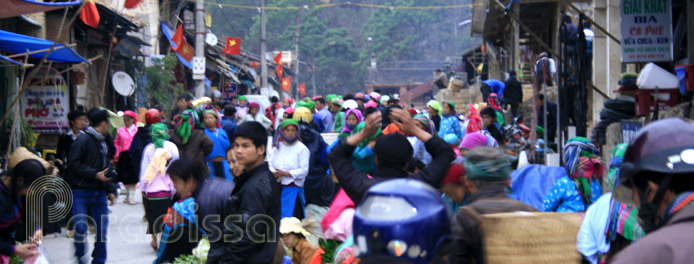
(89,176)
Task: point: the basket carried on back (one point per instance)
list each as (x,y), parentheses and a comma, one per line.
(532,238)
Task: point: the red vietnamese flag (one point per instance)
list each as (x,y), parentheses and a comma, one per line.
(178,38)
(89,14)
(233,46)
(130,4)
(302,89)
(186,51)
(278,60)
(287,84)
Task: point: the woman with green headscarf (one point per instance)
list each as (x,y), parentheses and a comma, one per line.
(156,186)
(363,158)
(583,184)
(435,112)
(289,164)
(191,141)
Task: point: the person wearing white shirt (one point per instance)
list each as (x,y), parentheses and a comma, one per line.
(289,164)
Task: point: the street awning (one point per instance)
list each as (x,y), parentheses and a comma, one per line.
(13,8)
(169,32)
(10,61)
(37,48)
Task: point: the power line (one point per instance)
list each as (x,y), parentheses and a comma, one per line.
(348,4)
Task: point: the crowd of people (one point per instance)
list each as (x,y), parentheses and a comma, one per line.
(263,185)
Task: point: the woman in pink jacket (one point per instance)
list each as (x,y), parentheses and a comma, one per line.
(124,166)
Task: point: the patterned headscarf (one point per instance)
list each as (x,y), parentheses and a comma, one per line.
(615,164)
(348,128)
(583,164)
(624,222)
(428,124)
(185,122)
(159,133)
(488,169)
(364,142)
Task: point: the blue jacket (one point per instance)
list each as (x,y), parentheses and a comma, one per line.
(229,126)
(450,125)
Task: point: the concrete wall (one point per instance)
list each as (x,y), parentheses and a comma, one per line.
(606,73)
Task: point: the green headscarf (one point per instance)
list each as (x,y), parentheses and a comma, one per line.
(310,105)
(330,97)
(289,122)
(436,105)
(365,142)
(243,97)
(159,134)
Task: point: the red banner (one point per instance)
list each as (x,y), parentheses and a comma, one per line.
(302,89)
(278,60)
(287,84)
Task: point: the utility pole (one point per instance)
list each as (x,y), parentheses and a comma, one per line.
(296,45)
(263,48)
(200,42)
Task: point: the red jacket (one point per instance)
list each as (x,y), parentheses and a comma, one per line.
(272,114)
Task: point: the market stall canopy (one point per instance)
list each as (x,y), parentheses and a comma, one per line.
(12,8)
(37,48)
(11,61)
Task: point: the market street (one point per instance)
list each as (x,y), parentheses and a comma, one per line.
(127,241)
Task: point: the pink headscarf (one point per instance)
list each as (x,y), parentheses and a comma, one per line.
(370,104)
(130,114)
(478,139)
(475,123)
(359,117)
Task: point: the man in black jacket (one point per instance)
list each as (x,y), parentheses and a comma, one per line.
(78,121)
(89,178)
(513,93)
(393,152)
(254,205)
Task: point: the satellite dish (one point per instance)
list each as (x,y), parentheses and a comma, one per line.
(211,39)
(123,84)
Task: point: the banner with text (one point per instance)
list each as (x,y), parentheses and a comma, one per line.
(646,30)
(44,103)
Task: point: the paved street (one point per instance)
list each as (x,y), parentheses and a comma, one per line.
(127,241)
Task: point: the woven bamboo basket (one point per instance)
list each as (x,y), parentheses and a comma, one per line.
(531,238)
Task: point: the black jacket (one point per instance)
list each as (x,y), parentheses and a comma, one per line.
(513,90)
(356,183)
(85,160)
(319,185)
(62,151)
(254,205)
(137,146)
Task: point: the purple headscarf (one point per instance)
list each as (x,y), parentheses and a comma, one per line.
(477,139)
(357,114)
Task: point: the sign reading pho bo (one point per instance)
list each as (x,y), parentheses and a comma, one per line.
(646,30)
(44,103)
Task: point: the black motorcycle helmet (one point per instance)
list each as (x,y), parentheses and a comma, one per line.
(661,152)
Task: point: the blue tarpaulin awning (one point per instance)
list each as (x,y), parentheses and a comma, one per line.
(12,8)
(169,32)
(18,44)
(11,61)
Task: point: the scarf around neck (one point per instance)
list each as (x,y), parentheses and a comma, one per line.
(102,140)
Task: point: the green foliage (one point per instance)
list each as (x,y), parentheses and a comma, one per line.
(187,259)
(162,87)
(333,44)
